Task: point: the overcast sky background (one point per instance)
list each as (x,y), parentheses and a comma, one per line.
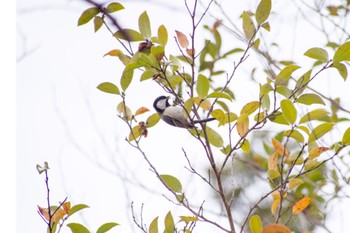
(63,119)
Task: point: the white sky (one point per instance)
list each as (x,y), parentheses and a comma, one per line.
(61,115)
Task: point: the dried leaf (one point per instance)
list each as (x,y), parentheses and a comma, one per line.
(183,41)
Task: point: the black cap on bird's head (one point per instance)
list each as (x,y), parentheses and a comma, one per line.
(161,103)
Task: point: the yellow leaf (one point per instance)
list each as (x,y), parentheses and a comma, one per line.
(279,147)
(242,124)
(294,182)
(317,151)
(277,195)
(272,163)
(141,110)
(272,174)
(135,132)
(274,206)
(301,205)
(203,103)
(276,228)
(125,111)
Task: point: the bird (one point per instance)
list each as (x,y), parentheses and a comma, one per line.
(174,115)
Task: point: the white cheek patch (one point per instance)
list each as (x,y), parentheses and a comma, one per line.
(161,104)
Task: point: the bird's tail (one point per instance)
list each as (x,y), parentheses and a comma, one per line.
(204,120)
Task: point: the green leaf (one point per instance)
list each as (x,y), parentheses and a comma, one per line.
(294,134)
(346,137)
(202,86)
(128,34)
(113,7)
(108,88)
(341,69)
(250,107)
(153,227)
(342,53)
(152,120)
(255,224)
(285,91)
(214,138)
(288,110)
(145,25)
(77,208)
(311,164)
(77,228)
(188,219)
(245,146)
(157,52)
(88,15)
(41,169)
(169,223)
(279,119)
(127,76)
(318,54)
(162,35)
(309,99)
(248,25)
(98,22)
(148,74)
(302,82)
(313,115)
(266,26)
(272,174)
(232,51)
(319,131)
(106,227)
(263,11)
(172,182)
(218,94)
(285,74)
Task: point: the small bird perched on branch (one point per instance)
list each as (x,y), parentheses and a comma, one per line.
(174,115)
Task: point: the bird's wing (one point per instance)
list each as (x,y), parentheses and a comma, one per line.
(175,117)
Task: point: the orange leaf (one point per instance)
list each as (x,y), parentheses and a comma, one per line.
(317,151)
(272,164)
(114,52)
(66,207)
(58,215)
(44,212)
(141,110)
(279,147)
(276,228)
(274,206)
(301,205)
(182,39)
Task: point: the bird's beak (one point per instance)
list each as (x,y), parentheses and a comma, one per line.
(168,97)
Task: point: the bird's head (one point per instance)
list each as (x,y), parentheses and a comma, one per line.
(161,103)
